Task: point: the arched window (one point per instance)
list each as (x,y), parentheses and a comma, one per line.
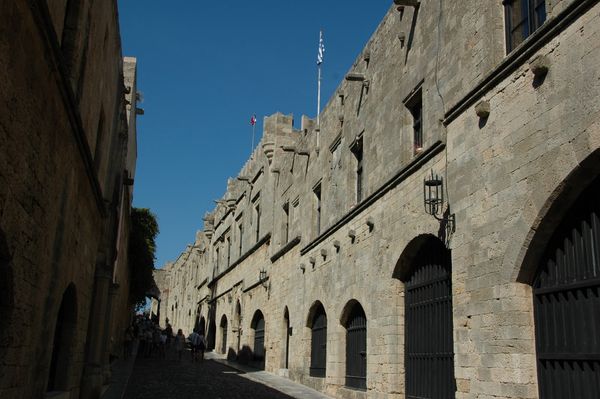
(356,346)
(62,348)
(566,294)
(428,334)
(318,343)
(258,325)
(224,334)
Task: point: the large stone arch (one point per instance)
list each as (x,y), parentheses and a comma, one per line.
(551,215)
(407,258)
(63,342)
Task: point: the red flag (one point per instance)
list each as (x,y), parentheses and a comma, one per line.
(253,120)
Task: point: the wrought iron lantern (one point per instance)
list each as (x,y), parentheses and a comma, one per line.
(433,194)
(262,277)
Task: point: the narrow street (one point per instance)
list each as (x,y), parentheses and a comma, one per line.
(172,379)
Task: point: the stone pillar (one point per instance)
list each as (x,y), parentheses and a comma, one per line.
(92,381)
(109,318)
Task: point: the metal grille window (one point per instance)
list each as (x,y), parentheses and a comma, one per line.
(567,305)
(318,352)
(523,17)
(356,348)
(429,357)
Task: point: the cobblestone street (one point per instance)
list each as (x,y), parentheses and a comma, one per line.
(171,379)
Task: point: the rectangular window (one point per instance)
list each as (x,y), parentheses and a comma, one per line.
(257,216)
(523,17)
(228,251)
(286,221)
(241,237)
(217,259)
(415,106)
(357,150)
(317,191)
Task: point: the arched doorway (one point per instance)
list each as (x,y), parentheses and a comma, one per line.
(62,347)
(566,295)
(428,329)
(238,324)
(223,326)
(317,323)
(286,338)
(202,326)
(258,325)
(212,332)
(355,322)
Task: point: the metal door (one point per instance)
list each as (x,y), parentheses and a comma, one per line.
(318,353)
(429,355)
(259,339)
(356,349)
(566,295)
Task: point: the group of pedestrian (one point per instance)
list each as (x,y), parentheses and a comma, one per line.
(156,341)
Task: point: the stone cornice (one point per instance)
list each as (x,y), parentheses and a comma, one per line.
(414,165)
(291,244)
(249,252)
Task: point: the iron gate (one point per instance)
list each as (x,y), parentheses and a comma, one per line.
(429,355)
(356,349)
(259,339)
(567,305)
(318,352)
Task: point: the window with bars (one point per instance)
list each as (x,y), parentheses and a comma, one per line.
(523,17)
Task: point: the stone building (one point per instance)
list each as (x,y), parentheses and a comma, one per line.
(67,163)
(438,235)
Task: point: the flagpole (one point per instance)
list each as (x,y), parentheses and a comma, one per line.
(319,96)
(253,127)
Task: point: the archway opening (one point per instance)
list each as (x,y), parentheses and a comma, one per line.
(425,268)
(258,325)
(317,322)
(63,342)
(355,322)
(223,327)
(286,337)
(566,297)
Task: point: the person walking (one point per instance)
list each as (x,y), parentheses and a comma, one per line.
(194,339)
(201,346)
(179,343)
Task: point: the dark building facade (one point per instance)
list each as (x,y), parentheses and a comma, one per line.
(67,159)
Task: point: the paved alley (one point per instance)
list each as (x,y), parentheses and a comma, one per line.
(171,379)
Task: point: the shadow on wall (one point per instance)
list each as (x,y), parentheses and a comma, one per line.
(6,295)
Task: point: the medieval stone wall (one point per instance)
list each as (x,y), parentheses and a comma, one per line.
(509,178)
(63,135)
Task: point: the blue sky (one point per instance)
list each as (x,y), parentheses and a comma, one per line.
(204,68)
